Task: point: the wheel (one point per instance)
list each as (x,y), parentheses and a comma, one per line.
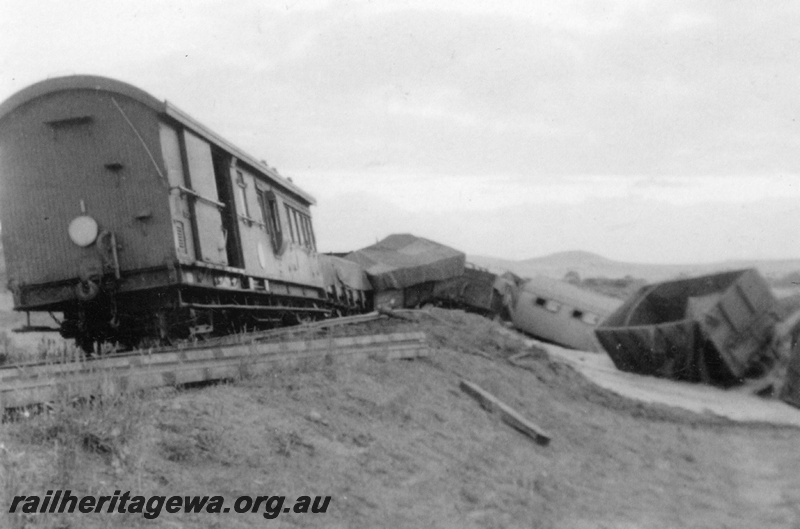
(86,343)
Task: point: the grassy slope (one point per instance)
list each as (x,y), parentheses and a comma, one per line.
(398,445)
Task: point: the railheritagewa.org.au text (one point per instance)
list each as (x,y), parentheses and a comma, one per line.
(150,507)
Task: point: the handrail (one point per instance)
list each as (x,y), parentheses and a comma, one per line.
(191,192)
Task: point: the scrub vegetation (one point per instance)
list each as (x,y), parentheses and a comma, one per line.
(397,444)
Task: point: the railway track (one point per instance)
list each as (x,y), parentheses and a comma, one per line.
(27,385)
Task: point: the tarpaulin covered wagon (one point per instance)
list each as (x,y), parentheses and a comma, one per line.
(403,269)
(347,284)
(407,271)
(474,290)
(712,328)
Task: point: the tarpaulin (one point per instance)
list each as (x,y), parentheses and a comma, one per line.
(403,260)
(340,271)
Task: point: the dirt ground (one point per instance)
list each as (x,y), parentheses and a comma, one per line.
(397,444)
(738,403)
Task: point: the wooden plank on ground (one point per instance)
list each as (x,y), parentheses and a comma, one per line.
(507,413)
(393,313)
(515,358)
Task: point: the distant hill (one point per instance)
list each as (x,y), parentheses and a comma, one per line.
(570,257)
(587,264)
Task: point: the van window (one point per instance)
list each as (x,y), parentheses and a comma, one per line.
(241,193)
(289,221)
(297,227)
(311,232)
(269,213)
(300,228)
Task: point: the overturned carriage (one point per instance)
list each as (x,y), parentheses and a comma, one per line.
(558,312)
(715,328)
(134,220)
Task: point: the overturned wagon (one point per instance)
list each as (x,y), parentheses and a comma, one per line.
(712,328)
(791,387)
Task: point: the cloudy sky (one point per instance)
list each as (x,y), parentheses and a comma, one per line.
(642,130)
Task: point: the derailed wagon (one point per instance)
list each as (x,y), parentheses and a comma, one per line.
(408,271)
(714,328)
(474,290)
(790,392)
(403,268)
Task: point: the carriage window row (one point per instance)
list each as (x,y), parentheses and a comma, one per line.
(555,306)
(548,304)
(300,228)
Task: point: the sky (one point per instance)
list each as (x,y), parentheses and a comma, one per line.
(646,131)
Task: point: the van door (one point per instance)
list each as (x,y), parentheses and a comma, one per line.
(180,207)
(211,236)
